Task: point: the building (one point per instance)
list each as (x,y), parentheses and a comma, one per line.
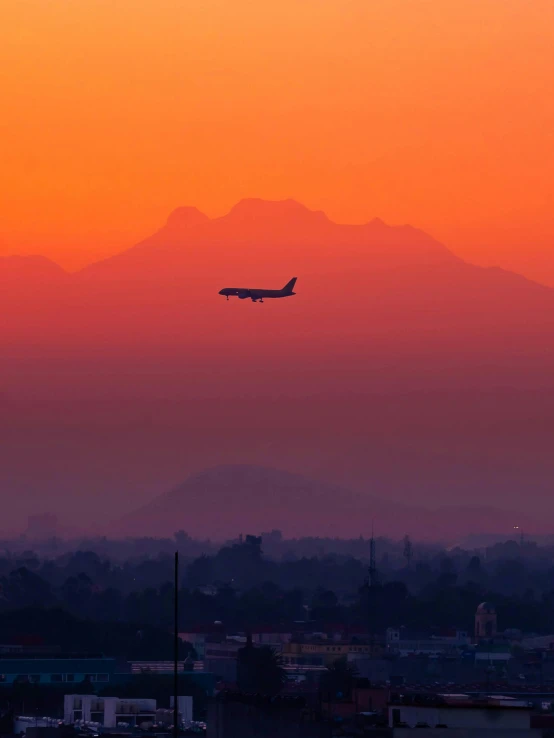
(223,649)
(204,638)
(323,652)
(493,653)
(199,635)
(113,712)
(246,716)
(363,698)
(485,621)
(202,679)
(29,726)
(402,642)
(165,667)
(55,669)
(459,711)
(270,636)
(108,711)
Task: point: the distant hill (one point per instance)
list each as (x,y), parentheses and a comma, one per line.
(220,502)
(19,271)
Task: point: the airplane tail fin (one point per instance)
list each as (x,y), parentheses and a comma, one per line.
(288,288)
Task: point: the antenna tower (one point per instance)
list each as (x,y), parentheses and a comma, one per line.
(373,577)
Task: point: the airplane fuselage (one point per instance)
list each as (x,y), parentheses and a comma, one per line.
(258,295)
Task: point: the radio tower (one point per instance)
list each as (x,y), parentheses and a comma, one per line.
(371,590)
(373,577)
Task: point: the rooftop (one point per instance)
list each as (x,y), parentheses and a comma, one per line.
(466,701)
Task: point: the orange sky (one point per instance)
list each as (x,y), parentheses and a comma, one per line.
(439,113)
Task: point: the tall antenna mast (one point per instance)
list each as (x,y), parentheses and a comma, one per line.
(373,577)
(371,589)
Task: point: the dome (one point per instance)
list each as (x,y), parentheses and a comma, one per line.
(486,608)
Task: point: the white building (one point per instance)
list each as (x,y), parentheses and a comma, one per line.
(113,711)
(108,711)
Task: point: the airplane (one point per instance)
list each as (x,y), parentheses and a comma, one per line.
(258,295)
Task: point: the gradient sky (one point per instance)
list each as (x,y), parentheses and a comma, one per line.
(439,113)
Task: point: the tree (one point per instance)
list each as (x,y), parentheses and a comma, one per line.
(260,670)
(182,538)
(200,572)
(24,587)
(474,569)
(338,680)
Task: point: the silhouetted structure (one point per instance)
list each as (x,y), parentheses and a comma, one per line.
(485,621)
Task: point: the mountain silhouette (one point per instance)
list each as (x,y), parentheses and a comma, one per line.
(291,233)
(398,370)
(394,289)
(222,501)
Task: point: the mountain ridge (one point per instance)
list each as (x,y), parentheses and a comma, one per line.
(257,498)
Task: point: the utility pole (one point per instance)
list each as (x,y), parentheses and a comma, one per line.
(176,652)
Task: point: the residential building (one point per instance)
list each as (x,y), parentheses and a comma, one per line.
(322,653)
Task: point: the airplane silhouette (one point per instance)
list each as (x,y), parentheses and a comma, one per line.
(258,295)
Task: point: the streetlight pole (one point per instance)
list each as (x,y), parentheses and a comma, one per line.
(176,652)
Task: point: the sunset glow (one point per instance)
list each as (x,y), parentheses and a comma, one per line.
(439,114)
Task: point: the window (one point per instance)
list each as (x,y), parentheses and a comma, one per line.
(90,677)
(70,677)
(34,678)
(56,677)
(102,678)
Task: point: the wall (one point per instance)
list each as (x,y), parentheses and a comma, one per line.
(463,717)
(185,707)
(467,733)
(235,720)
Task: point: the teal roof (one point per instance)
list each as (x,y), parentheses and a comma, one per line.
(55,666)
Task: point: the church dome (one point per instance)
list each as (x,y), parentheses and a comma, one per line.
(486,608)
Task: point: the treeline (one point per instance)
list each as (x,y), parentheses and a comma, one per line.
(242,587)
